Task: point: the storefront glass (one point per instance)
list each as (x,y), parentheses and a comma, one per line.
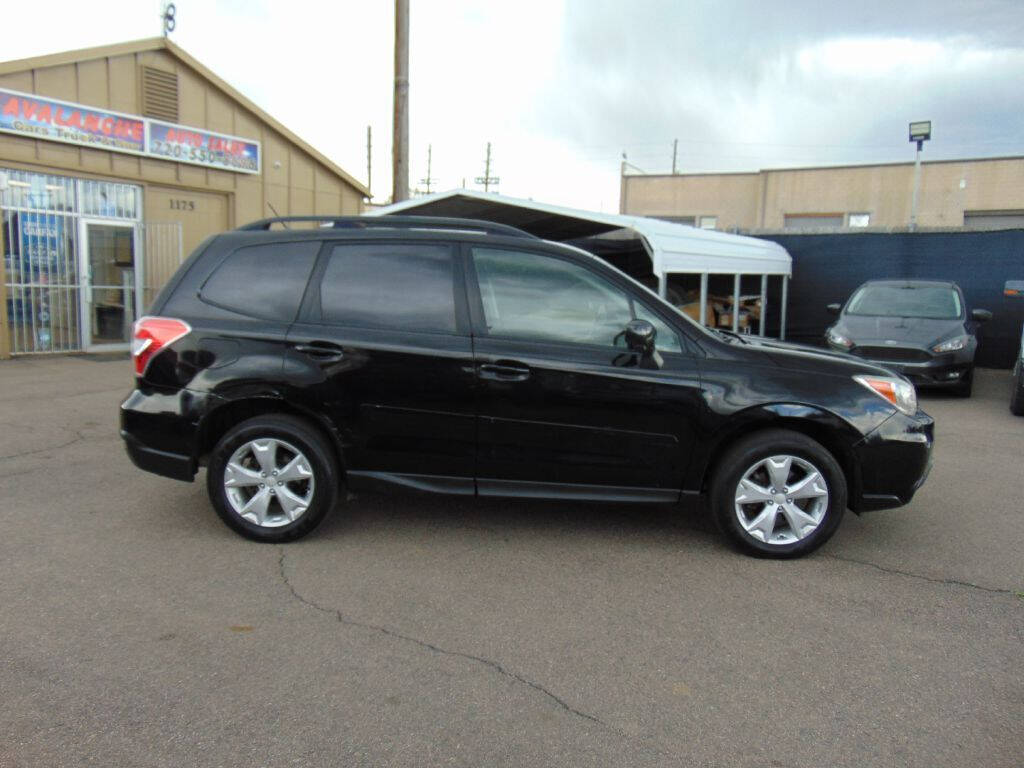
(70,267)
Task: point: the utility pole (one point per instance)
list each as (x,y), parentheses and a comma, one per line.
(369,159)
(675,149)
(427,182)
(487,168)
(487,180)
(400,133)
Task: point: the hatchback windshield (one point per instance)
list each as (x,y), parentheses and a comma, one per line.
(933,301)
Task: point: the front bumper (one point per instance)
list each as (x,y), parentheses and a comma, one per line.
(894,460)
(946,369)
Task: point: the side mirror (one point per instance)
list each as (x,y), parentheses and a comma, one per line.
(981,315)
(834,308)
(639,336)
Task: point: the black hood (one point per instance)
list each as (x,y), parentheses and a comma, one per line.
(803,357)
(907,331)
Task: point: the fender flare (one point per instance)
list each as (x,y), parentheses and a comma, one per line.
(828,428)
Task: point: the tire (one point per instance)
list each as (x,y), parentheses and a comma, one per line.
(258,448)
(1017,398)
(817,503)
(966,385)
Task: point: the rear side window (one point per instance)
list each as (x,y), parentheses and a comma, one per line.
(265,281)
(392,286)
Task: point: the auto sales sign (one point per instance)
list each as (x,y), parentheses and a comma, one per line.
(36,117)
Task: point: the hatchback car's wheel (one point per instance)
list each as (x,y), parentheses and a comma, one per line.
(272,478)
(778,494)
(966,384)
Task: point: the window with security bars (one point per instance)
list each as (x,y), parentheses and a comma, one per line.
(160,94)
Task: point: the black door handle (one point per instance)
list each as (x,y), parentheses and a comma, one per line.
(503,372)
(323,351)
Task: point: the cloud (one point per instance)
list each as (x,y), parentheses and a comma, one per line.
(561,88)
(744,85)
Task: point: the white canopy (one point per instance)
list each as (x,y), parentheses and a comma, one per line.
(673,248)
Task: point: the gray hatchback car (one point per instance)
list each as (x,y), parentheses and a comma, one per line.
(918,328)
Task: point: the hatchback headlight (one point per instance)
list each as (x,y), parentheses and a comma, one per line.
(838,339)
(951,345)
(896,392)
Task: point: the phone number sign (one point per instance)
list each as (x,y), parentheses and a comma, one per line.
(36,117)
(190,145)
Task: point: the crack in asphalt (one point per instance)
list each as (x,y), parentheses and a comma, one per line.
(341,618)
(78,438)
(897,571)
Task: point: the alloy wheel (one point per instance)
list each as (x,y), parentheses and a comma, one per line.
(781,499)
(269,482)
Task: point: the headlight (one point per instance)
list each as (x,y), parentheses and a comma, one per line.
(895,391)
(838,339)
(952,345)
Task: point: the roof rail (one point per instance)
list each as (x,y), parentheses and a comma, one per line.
(392,222)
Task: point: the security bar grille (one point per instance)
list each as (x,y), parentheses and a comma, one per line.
(70,281)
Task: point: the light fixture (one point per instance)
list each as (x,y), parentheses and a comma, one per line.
(921,130)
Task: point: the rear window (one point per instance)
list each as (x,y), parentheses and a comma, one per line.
(265,281)
(391,286)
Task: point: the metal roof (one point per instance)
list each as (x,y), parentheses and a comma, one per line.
(673,248)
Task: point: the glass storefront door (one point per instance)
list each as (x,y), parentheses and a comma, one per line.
(108,283)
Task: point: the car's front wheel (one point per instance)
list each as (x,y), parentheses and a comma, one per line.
(272,478)
(778,493)
(966,385)
(1017,398)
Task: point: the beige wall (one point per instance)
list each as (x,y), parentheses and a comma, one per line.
(733,198)
(762,200)
(292,181)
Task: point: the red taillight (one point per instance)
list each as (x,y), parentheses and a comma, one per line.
(153,334)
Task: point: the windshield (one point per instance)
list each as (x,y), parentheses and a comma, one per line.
(931,301)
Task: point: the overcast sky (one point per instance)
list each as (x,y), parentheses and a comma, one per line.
(561,89)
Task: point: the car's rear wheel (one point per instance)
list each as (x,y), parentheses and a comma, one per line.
(778,493)
(272,478)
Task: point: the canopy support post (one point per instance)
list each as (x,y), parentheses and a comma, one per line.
(663,286)
(704,298)
(764,303)
(785,302)
(736,303)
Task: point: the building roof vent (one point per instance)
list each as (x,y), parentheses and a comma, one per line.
(160,94)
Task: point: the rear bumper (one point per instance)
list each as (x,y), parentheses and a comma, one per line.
(894,460)
(166,463)
(160,430)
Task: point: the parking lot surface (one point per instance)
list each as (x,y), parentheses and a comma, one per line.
(136,629)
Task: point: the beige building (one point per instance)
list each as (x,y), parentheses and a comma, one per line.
(982,193)
(115,162)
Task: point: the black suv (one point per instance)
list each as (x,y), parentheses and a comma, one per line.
(464,357)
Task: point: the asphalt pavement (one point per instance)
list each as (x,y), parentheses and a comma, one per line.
(137,630)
